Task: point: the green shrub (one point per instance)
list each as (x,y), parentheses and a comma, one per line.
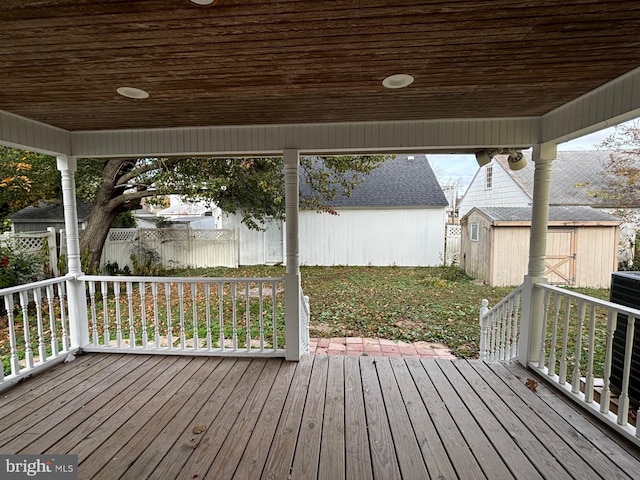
(18,267)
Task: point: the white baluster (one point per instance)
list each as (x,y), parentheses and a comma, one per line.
(484,329)
(247,308)
(221,314)
(557,303)
(261,315)
(194,309)
(142,291)
(565,342)
(24,305)
(66,341)
(542,355)
(514,335)
(274,289)
(167,295)
(94,321)
(116,297)
(132,330)
(104,288)
(15,364)
(156,326)
(207,302)
(623,401)
(234,316)
(507,329)
(42,349)
(605,398)
(52,320)
(181,310)
(588,386)
(575,379)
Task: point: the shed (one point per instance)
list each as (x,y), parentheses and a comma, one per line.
(36,218)
(581,246)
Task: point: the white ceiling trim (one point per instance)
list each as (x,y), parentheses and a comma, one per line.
(20,132)
(420,136)
(613,103)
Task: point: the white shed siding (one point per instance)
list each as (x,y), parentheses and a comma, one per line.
(504,192)
(402,237)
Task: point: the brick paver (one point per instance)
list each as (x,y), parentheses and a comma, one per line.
(377,347)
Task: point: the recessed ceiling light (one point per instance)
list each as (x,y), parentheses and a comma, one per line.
(132,92)
(202,2)
(399,80)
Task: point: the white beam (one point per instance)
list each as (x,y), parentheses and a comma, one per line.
(442,136)
(26,134)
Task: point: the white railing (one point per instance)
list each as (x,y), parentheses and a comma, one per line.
(577,354)
(304,324)
(196,316)
(34,319)
(499,328)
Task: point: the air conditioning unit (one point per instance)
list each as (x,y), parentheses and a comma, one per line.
(625,290)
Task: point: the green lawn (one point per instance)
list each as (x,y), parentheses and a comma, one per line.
(433,304)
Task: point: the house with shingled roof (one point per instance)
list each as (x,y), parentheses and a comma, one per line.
(395,217)
(577,177)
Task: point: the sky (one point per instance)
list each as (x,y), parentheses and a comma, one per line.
(451,169)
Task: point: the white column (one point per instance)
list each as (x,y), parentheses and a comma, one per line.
(292,287)
(78,326)
(532,300)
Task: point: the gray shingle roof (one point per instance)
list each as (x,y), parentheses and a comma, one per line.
(405,181)
(556,214)
(49,212)
(575,176)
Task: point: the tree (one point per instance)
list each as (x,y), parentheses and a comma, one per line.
(621,175)
(25,179)
(253,187)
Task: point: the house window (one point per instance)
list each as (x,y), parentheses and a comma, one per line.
(475,228)
(488,177)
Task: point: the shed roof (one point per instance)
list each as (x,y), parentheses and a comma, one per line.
(49,212)
(557,215)
(403,181)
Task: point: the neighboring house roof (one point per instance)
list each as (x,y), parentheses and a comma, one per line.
(557,214)
(404,181)
(49,212)
(576,177)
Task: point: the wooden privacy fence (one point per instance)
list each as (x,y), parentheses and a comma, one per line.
(174,247)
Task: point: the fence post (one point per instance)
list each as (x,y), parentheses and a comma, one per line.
(53,251)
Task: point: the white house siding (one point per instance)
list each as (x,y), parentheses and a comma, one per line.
(504,192)
(372,237)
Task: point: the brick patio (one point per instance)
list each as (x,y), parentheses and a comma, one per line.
(377,347)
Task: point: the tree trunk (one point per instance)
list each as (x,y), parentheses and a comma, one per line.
(103,213)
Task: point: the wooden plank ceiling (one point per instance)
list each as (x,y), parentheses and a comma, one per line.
(253,62)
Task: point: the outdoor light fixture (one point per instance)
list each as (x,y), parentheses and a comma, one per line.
(202,2)
(399,80)
(516,160)
(483,157)
(132,92)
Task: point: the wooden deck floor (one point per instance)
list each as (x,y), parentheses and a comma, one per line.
(328,417)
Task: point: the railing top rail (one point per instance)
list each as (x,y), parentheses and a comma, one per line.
(40,283)
(509,296)
(123,279)
(603,303)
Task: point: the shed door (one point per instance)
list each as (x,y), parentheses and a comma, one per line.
(560,264)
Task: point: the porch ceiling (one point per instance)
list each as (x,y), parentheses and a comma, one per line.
(248,62)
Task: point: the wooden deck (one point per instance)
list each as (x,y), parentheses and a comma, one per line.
(328,417)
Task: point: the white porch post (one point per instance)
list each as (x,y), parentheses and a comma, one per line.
(292,293)
(532,302)
(78,326)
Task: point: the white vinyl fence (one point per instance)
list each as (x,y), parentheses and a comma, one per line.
(36,243)
(174,247)
(452,244)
